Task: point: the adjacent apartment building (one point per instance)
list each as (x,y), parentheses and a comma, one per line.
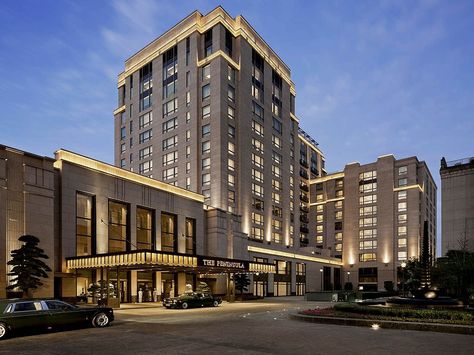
(371,217)
(209,106)
(457,201)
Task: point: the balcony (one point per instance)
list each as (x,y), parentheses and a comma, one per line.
(304,218)
(304,229)
(304,242)
(304,163)
(304,209)
(304,198)
(304,186)
(315,171)
(304,174)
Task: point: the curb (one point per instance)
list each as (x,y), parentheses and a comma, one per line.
(386,324)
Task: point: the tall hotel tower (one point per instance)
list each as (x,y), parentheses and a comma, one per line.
(210,107)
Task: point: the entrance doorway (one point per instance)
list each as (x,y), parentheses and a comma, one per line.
(260,288)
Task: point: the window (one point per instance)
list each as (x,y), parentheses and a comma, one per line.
(122,148)
(257,233)
(188,98)
(276,141)
(276,184)
(170,107)
(402,182)
(338,236)
(402,218)
(145,136)
(168,233)
(402,195)
(231,131)
(206,163)
(188,117)
(370,187)
(257,92)
(145,239)
(320,228)
(231,164)
(276,237)
(402,255)
(257,218)
(257,190)
(367,211)
(206,179)
(170,158)
(231,93)
(206,130)
(319,218)
(206,91)
(145,152)
(188,50)
(170,142)
(118,227)
(258,204)
(257,145)
(338,204)
(319,197)
(85,225)
(230,74)
(368,175)
(145,167)
(364,257)
(402,230)
(257,175)
(231,112)
(367,199)
(206,111)
(368,244)
(231,180)
(368,233)
(276,197)
(146,85)
(122,163)
(367,222)
(276,157)
(145,120)
(170,125)
(338,214)
(188,78)
(257,160)
(338,247)
(170,173)
(276,171)
(206,72)
(231,148)
(206,147)
(188,151)
(402,242)
(190,236)
(257,128)
(319,208)
(277,126)
(402,206)
(402,170)
(208,43)
(123,133)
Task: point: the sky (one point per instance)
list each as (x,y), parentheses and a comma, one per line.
(372,77)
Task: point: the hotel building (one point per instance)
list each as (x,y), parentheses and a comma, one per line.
(371,217)
(209,107)
(99,222)
(457,201)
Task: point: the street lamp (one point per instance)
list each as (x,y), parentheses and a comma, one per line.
(403,265)
(321,271)
(348,274)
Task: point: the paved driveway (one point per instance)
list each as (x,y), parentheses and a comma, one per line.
(260,327)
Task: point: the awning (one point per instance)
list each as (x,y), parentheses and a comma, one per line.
(163,261)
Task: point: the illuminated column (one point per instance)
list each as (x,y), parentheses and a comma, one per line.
(133,285)
(181,283)
(158,285)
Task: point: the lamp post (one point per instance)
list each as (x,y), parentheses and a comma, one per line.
(348,274)
(403,265)
(321,271)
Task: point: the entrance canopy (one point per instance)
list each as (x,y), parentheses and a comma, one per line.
(162,261)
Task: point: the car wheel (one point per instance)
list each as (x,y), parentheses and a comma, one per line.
(3,330)
(184,305)
(215,303)
(100,320)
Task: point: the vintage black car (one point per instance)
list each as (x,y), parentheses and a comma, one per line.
(194,299)
(19,314)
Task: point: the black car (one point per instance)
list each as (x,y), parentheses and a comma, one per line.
(194,299)
(43,313)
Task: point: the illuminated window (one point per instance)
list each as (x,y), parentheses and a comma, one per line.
(368,233)
(257,190)
(257,145)
(257,128)
(367,199)
(118,227)
(367,222)
(368,175)
(319,218)
(276,141)
(337,204)
(320,228)
(145,229)
(231,164)
(319,208)
(364,257)
(190,236)
(367,211)
(402,206)
(402,218)
(231,148)
(338,236)
(231,179)
(402,230)
(402,195)
(169,240)
(257,160)
(402,242)
(370,187)
(319,197)
(85,225)
(368,244)
(338,214)
(338,246)
(276,197)
(231,112)
(257,218)
(257,175)
(402,255)
(257,233)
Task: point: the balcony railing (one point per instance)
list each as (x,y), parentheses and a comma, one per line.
(304,187)
(304,163)
(304,209)
(304,198)
(304,174)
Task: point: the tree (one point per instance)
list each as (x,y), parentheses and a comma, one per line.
(241,282)
(410,275)
(389,287)
(27,266)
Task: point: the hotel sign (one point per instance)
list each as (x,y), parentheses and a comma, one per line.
(221,263)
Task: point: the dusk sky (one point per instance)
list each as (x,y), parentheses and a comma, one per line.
(371,78)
